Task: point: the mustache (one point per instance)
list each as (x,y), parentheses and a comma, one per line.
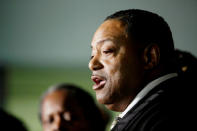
(102,75)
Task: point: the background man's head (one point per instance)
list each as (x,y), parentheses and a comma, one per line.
(68,108)
(128,50)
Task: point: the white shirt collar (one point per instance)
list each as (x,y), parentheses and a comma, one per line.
(145,91)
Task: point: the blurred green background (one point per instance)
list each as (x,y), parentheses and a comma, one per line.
(27,84)
(45,42)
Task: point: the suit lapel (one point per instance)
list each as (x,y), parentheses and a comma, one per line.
(133,115)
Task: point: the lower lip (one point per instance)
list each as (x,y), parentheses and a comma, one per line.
(99,86)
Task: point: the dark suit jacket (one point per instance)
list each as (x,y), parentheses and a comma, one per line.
(165,108)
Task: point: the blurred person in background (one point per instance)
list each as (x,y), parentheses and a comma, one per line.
(10,123)
(66,107)
(187,64)
(187,70)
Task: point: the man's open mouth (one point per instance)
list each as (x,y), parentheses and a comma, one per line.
(99,82)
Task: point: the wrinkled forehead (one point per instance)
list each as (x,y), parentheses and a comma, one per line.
(110,29)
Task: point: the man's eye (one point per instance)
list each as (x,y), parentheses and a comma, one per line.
(91,57)
(108,51)
(49,120)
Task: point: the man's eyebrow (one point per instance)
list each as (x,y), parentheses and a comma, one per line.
(104,40)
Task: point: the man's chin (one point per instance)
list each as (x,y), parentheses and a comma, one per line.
(107,103)
(112,107)
(102,99)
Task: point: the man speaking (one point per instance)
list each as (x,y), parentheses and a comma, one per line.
(134,71)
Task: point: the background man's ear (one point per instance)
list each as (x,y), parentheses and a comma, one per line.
(151,56)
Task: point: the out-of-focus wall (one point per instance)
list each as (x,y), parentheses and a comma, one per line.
(59,32)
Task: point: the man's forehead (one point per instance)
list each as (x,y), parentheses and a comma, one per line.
(58,97)
(54,102)
(110,30)
(110,27)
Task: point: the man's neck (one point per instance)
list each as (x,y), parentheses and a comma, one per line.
(155,73)
(120,106)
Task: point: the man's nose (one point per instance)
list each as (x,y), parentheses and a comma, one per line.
(95,63)
(58,123)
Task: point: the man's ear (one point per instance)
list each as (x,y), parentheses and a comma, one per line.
(151,56)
